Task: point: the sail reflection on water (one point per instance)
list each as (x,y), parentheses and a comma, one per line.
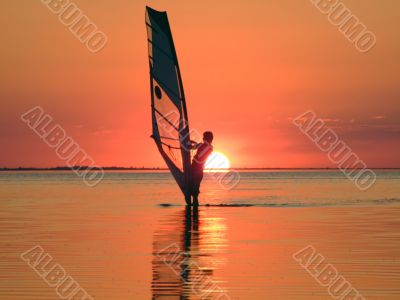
(186,253)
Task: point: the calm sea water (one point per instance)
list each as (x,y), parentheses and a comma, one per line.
(112,239)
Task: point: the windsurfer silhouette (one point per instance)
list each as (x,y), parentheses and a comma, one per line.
(204,150)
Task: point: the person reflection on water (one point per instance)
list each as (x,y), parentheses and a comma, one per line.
(204,150)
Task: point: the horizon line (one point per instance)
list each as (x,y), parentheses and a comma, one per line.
(118,168)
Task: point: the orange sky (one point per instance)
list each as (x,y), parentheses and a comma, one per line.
(248,67)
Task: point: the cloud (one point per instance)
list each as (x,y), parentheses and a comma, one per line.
(378,117)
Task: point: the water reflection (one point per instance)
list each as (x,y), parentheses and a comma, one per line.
(186,252)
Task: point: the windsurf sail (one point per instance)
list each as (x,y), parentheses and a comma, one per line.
(168,105)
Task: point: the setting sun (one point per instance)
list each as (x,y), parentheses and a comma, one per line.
(217,161)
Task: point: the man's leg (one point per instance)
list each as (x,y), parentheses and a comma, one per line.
(197,176)
(195,200)
(188,198)
(188,192)
(196,192)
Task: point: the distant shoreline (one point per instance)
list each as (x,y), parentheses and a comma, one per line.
(165,169)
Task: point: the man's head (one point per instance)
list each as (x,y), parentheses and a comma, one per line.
(208,136)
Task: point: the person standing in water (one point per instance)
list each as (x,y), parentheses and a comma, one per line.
(204,150)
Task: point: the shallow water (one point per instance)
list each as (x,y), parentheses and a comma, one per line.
(117,242)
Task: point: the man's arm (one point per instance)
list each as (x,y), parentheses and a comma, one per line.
(194,145)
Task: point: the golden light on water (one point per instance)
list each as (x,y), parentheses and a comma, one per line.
(217,161)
